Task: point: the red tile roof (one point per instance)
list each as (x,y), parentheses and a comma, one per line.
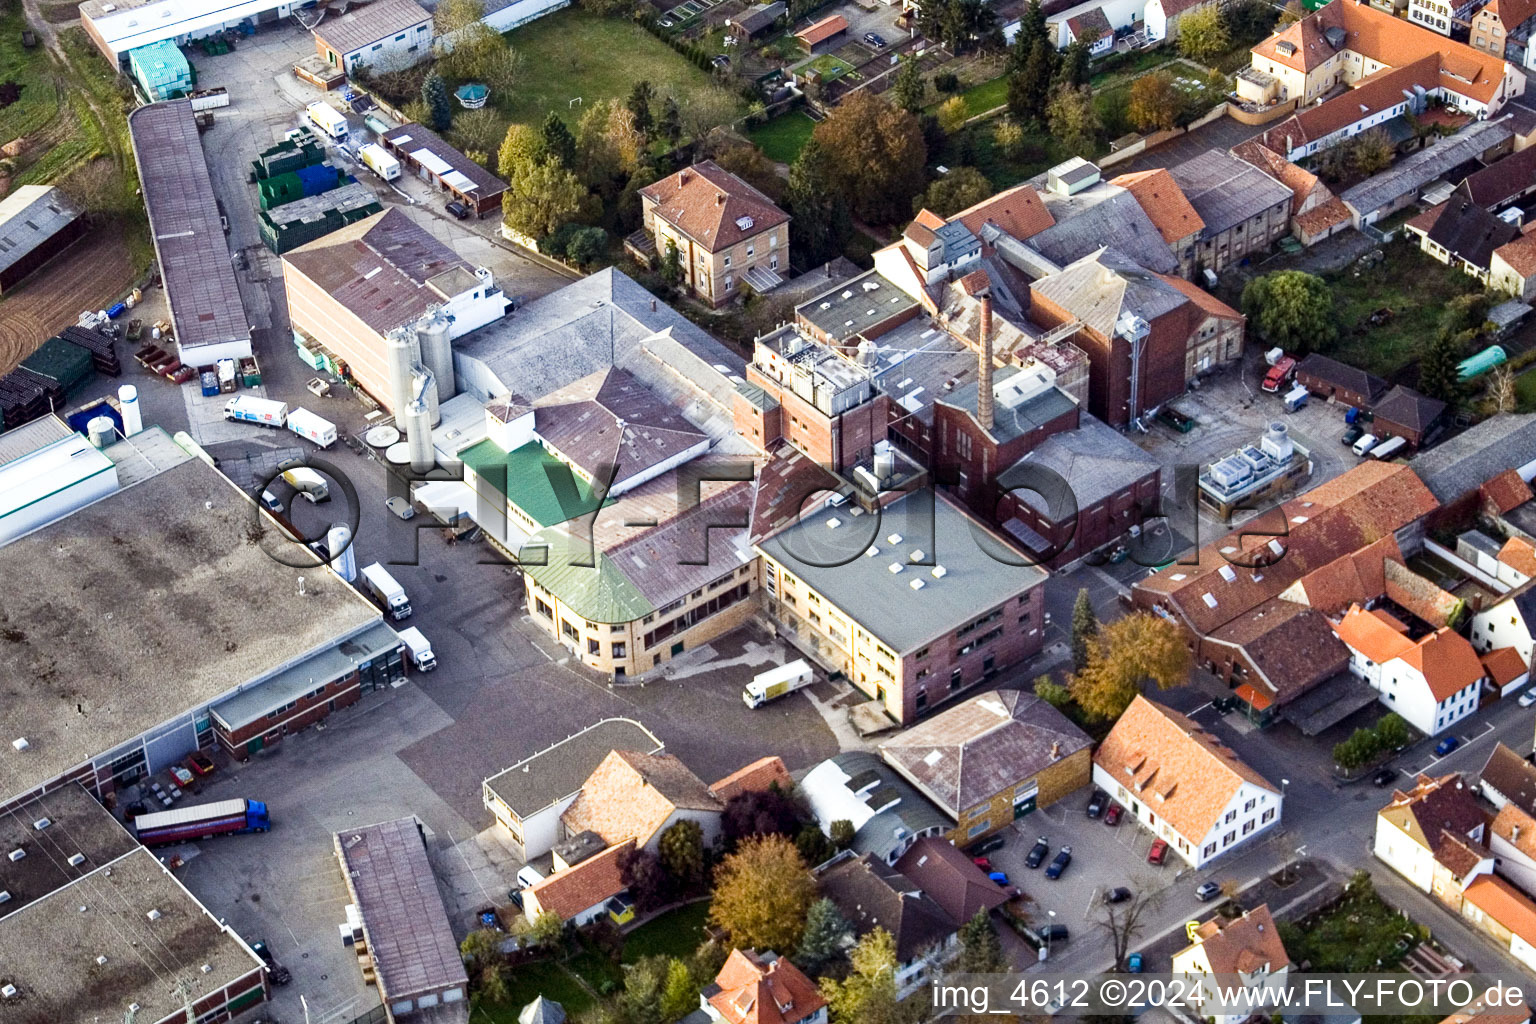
(1504,665)
(1480,1012)
(1370,96)
(756,777)
(756,990)
(1165,204)
(1372,636)
(631,795)
(1447,661)
(1090,26)
(1505,904)
(1520,254)
(1321,218)
(712,206)
(1519,555)
(580,888)
(1243,944)
(823,30)
(1507,491)
(1018,211)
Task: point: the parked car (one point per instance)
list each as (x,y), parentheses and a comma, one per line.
(983,863)
(200,763)
(458,209)
(1133,963)
(278,973)
(999,877)
(875,40)
(720,60)
(1447,745)
(1352,434)
(986,845)
(1119,894)
(1158,853)
(400,507)
(1384,777)
(1112,816)
(1053,933)
(1096,803)
(1527,698)
(516,896)
(1207,892)
(1037,853)
(1059,864)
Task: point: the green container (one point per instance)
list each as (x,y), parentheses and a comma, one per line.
(284,188)
(63,362)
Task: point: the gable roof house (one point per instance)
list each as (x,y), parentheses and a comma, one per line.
(1377,101)
(1316,213)
(586,891)
(761,988)
(1503,29)
(1244,209)
(634,795)
(1158,194)
(1403,412)
(947,874)
(1505,913)
(1245,951)
(1508,778)
(872,894)
(1462,234)
(1432,681)
(1330,379)
(1183,784)
(1512,840)
(1433,835)
(1510,622)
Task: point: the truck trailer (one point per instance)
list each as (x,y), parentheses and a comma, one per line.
(776,682)
(201,821)
(378,160)
(420,648)
(311,427)
(328,119)
(382,586)
(262,411)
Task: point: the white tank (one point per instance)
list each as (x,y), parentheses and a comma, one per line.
(437,353)
(340,539)
(869,353)
(101,431)
(419,419)
(399,353)
(128,398)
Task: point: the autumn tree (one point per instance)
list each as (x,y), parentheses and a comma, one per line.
(1293,12)
(962,187)
(909,86)
(608,145)
(521,144)
(541,195)
(1073,118)
(749,164)
(1123,657)
(953,114)
(1203,33)
(681,849)
(477,130)
(469,50)
(1501,389)
(1371,152)
(762,893)
(823,222)
(1008,136)
(1124,922)
(822,941)
(875,156)
(1292,309)
(868,994)
(1085,629)
(1155,102)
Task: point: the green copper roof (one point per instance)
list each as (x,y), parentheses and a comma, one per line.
(533,480)
(584,579)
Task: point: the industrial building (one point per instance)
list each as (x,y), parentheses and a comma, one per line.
(118,26)
(207,316)
(37,222)
(112,593)
(46,471)
(384,35)
(426,155)
(1254,473)
(95,928)
(404,942)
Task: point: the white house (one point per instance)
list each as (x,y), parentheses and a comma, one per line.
(1509,623)
(1183,784)
(1512,838)
(871,894)
(584,892)
(1119,16)
(1228,953)
(1163,17)
(1433,682)
(1433,836)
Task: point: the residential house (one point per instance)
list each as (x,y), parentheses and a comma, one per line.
(1506,672)
(1225,954)
(1503,28)
(1502,183)
(1442,16)
(1510,622)
(1403,412)
(1508,778)
(1378,101)
(1498,1010)
(1244,210)
(761,988)
(585,892)
(1119,18)
(1091,28)
(1330,379)
(1512,267)
(1462,234)
(1515,560)
(992,759)
(386,35)
(1433,835)
(1183,784)
(872,894)
(887,813)
(948,875)
(635,795)
(1504,913)
(1512,838)
(725,231)
(1163,17)
(757,777)
(1433,681)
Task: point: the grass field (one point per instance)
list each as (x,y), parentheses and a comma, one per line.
(784,137)
(572,54)
(984,97)
(524,984)
(676,933)
(829,67)
(1525,391)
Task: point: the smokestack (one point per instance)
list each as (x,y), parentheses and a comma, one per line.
(984,383)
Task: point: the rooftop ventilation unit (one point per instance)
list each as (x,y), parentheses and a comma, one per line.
(1228,573)
(895,568)
(153,915)
(20,743)
(917,584)
(894,538)
(8,991)
(834,523)
(939,572)
(872,552)
(5,896)
(101,961)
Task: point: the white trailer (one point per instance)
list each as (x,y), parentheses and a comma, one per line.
(250,409)
(776,682)
(328,119)
(420,648)
(1392,446)
(386,591)
(311,427)
(378,160)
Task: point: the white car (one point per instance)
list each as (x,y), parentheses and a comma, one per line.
(1528,698)
(400,507)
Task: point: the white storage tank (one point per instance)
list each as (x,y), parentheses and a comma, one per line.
(128,398)
(437,353)
(101,431)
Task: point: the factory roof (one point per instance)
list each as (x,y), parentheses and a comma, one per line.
(854,306)
(557,771)
(425,147)
(73,823)
(184,223)
(1011,421)
(1104,215)
(251,705)
(29,216)
(1465,462)
(113,590)
(26,480)
(30,437)
(1226,191)
(869,566)
(612,427)
(885,808)
(1098,460)
(381,269)
(409,938)
(1105,284)
(533,480)
(366,25)
(1416,170)
(153,934)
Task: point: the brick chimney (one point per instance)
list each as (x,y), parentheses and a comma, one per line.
(984,381)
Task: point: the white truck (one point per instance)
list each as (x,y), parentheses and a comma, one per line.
(776,682)
(308,483)
(250,409)
(378,160)
(386,591)
(420,648)
(328,119)
(311,427)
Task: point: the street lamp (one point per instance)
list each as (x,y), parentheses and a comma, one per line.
(1050,928)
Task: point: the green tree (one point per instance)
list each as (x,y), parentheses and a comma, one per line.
(586,247)
(842,833)
(493,984)
(868,994)
(478,130)
(435,95)
(1075,61)
(1032,29)
(541,196)
(1053,693)
(1073,118)
(952,115)
(981,952)
(672,265)
(520,145)
(813,845)
(608,145)
(1085,629)
(1155,102)
(1009,138)
(822,218)
(1292,309)
(559,143)
(1356,751)
(874,155)
(825,931)
(546,930)
(1438,373)
(639,104)
(1392,731)
(961,188)
(1127,653)
(762,893)
(909,86)
(1371,152)
(679,993)
(1204,34)
(481,947)
(682,854)
(1029,89)
(670,125)
(749,164)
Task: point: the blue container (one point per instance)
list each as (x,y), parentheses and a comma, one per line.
(79,420)
(210,383)
(1351,415)
(317,179)
(117,310)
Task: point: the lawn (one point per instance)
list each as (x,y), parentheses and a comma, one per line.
(30,69)
(1414,287)
(984,97)
(1359,933)
(784,137)
(572,54)
(676,933)
(524,984)
(1525,391)
(829,67)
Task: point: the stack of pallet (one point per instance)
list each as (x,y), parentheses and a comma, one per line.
(67,365)
(103,352)
(26,396)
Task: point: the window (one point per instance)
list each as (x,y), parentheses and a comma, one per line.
(1230,818)
(977,829)
(920,655)
(1248,826)
(954,679)
(1210,848)
(1249,806)
(400,38)
(727,259)
(922,700)
(541,608)
(620,650)
(751,250)
(1227,839)
(593,647)
(729,282)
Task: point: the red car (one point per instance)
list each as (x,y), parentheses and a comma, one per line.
(1158,853)
(983,863)
(1112,816)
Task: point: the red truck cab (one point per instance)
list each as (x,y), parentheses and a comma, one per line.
(1279,374)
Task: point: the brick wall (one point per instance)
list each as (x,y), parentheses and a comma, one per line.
(1055,781)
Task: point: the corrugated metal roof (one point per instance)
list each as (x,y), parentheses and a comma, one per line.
(535,481)
(29,216)
(370,23)
(589,583)
(1226,191)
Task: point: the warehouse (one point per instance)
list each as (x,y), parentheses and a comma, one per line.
(206,312)
(118,26)
(37,222)
(60,473)
(385,35)
(432,160)
(173,559)
(86,903)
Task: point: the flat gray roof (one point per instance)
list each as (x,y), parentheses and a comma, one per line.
(145,454)
(117,591)
(77,825)
(409,938)
(329,665)
(558,771)
(980,571)
(184,220)
(1226,191)
(29,216)
(30,437)
(1097,459)
(49,949)
(853,306)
